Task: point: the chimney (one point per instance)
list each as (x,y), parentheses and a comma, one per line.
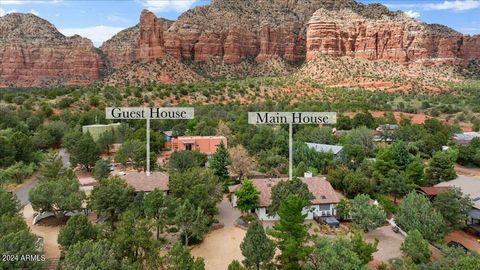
(307,174)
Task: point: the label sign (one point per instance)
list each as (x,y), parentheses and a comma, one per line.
(277,118)
(149,113)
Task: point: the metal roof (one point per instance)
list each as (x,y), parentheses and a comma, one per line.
(335,149)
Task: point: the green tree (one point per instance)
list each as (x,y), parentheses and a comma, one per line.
(440,169)
(132,151)
(361,136)
(11,224)
(256,247)
(415,172)
(10,204)
(220,161)
(133,240)
(356,183)
(101,169)
(160,208)
(191,221)
(71,138)
(334,254)
(105,141)
(7,152)
(235,265)
(20,243)
(247,196)
(396,184)
(416,247)
(365,215)
(401,155)
(85,152)
(289,187)
(363,249)
(182,161)
(201,187)
(291,232)
(353,155)
(454,207)
(179,258)
(111,197)
(416,212)
(51,167)
(77,229)
(91,255)
(344,207)
(59,196)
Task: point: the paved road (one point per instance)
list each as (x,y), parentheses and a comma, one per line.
(22,193)
(226,213)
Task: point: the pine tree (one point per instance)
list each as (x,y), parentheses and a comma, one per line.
(257,248)
(220,161)
(416,247)
(291,233)
(179,258)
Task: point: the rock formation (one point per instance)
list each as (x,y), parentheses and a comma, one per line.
(397,38)
(34,53)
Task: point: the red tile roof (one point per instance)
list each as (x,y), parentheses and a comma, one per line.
(432,191)
(140,181)
(318,186)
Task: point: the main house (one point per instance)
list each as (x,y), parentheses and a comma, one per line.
(323,204)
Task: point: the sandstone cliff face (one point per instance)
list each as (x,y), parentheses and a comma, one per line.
(229,30)
(400,39)
(34,53)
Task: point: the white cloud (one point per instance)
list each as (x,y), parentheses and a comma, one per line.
(34,12)
(23,2)
(5,12)
(97,34)
(455,5)
(412,14)
(168,5)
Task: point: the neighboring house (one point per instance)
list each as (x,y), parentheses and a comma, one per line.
(204,144)
(336,150)
(385,133)
(87,183)
(142,182)
(465,137)
(167,135)
(386,127)
(469,186)
(97,130)
(431,192)
(323,204)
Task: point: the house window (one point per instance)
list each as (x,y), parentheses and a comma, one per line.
(188,146)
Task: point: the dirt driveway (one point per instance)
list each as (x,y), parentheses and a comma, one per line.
(220,247)
(389,243)
(49,233)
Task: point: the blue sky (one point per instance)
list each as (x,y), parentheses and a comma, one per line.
(99,19)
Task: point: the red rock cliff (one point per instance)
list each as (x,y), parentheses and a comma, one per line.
(34,53)
(399,38)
